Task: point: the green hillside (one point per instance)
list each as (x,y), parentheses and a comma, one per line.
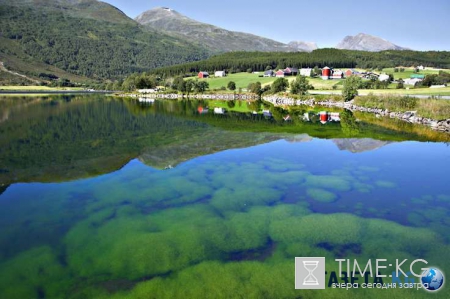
(83,38)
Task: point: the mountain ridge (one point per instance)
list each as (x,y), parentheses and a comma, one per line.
(367,42)
(214,38)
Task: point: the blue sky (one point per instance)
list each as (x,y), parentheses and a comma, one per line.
(416,24)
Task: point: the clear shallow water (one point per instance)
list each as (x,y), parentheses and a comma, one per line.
(107,221)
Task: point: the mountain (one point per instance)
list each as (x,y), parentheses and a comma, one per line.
(303,46)
(366,42)
(359,145)
(214,38)
(84,38)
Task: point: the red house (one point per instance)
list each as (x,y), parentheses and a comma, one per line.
(203,75)
(280,74)
(291,71)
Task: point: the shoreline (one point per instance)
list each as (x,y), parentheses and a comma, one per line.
(407,116)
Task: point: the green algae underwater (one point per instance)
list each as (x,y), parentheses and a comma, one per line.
(225,223)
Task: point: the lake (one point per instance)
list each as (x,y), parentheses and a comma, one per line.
(103,197)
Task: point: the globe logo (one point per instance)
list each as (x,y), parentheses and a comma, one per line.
(433,278)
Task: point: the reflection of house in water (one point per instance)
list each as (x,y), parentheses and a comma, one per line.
(218,110)
(326,117)
(267,114)
(202,110)
(146,100)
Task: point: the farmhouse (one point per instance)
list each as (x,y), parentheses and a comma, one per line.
(383,77)
(291,71)
(351,72)
(269,73)
(203,75)
(306,72)
(411,81)
(337,74)
(220,74)
(280,74)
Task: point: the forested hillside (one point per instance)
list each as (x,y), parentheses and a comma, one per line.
(260,61)
(86,38)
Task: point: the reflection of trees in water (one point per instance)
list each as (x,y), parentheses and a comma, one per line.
(348,123)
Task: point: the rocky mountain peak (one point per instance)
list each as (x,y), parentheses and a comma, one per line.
(367,42)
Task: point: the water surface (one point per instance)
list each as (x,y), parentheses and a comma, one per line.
(111,198)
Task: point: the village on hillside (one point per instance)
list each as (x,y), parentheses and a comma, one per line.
(329,73)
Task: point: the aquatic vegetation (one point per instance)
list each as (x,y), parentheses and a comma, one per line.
(34,273)
(443,197)
(328,182)
(416,219)
(321,195)
(385,184)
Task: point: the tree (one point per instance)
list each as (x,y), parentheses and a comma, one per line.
(400,84)
(255,88)
(201,86)
(189,85)
(231,104)
(249,70)
(349,126)
(316,71)
(279,85)
(300,85)
(231,85)
(179,84)
(351,85)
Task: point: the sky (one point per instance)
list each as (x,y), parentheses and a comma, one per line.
(415,24)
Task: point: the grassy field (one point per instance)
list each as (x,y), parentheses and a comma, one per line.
(242,80)
(240,106)
(408,72)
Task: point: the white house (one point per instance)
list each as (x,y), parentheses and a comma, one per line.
(147,90)
(383,77)
(219,110)
(220,74)
(411,81)
(306,72)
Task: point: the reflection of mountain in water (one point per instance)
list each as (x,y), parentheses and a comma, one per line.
(356,145)
(66,138)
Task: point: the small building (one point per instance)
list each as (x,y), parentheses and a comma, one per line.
(411,81)
(383,77)
(203,75)
(267,113)
(306,72)
(202,110)
(219,110)
(280,74)
(150,90)
(269,73)
(421,67)
(220,74)
(291,71)
(335,116)
(351,72)
(337,74)
(323,116)
(326,73)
